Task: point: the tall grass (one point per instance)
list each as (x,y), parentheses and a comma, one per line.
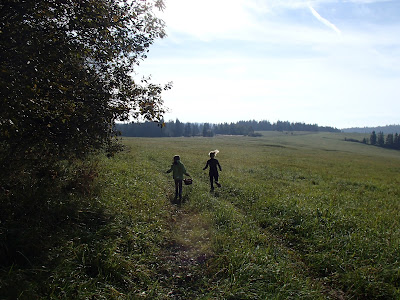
(299,216)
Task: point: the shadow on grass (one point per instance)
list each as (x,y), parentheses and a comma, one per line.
(178,202)
(38,238)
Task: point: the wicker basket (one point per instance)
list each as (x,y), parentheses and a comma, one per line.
(187,181)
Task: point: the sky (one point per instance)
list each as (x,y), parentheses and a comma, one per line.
(327,62)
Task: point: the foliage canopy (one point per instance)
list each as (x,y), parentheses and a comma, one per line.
(65,76)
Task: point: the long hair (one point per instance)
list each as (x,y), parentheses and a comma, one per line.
(214,152)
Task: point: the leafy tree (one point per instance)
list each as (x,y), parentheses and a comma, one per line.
(65,77)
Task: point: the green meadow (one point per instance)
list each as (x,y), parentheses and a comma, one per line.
(299,216)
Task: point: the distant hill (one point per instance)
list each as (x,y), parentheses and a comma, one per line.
(385,129)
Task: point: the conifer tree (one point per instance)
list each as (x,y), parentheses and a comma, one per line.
(373,138)
(381,139)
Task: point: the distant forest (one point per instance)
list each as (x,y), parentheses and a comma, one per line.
(384,129)
(177,128)
(391,141)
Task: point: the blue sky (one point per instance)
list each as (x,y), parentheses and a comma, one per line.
(330,62)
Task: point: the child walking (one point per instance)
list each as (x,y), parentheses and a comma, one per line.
(178,170)
(213,173)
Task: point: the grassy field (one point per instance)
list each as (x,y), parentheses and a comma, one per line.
(298,216)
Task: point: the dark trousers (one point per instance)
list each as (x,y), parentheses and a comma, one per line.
(178,188)
(213,176)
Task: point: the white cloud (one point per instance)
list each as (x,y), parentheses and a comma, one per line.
(323,20)
(259,59)
(207,18)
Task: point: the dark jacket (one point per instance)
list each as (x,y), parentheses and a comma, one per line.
(213,163)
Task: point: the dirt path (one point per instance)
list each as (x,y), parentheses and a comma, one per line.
(186,254)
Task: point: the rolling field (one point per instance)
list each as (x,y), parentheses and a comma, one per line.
(298,216)
(302,216)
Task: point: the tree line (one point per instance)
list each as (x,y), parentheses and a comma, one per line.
(391,140)
(385,129)
(178,128)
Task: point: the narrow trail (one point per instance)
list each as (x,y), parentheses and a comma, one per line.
(186,253)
